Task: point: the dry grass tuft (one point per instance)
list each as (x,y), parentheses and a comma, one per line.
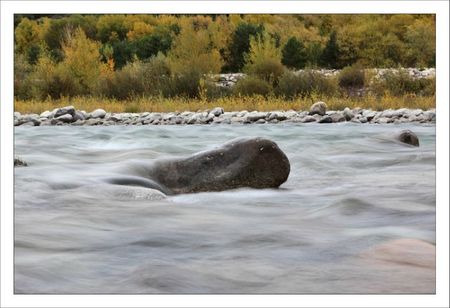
(259,103)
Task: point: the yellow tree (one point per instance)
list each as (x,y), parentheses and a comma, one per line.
(82,61)
(264,59)
(194,50)
(26,34)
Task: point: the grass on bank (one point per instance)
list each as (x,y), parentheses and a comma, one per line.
(258,103)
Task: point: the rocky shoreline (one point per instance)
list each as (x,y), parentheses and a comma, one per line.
(317,114)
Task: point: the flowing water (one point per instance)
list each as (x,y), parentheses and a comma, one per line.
(350,189)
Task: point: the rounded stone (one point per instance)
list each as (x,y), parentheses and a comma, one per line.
(319,108)
(348,114)
(66,118)
(408,137)
(326,119)
(98,113)
(63,111)
(217,111)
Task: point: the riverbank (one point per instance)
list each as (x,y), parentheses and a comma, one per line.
(250,103)
(70,116)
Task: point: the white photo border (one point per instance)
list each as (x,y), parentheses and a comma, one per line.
(440,8)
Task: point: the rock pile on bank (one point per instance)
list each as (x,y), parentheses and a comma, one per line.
(69,116)
(229,80)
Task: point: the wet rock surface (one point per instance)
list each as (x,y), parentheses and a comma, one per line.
(242,162)
(408,137)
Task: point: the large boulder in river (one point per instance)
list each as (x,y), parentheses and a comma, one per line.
(408,137)
(242,162)
(319,108)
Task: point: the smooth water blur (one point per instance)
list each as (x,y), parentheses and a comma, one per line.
(350,189)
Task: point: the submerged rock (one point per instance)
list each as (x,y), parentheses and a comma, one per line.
(18,162)
(408,137)
(243,162)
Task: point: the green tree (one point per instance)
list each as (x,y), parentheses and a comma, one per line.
(314,54)
(294,54)
(240,45)
(150,45)
(331,53)
(112,28)
(123,52)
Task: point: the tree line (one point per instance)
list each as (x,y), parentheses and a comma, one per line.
(108,55)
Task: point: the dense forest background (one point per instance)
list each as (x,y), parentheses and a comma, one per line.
(122,56)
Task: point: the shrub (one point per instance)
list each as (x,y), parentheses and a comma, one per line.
(137,79)
(51,80)
(304,84)
(186,85)
(289,85)
(127,82)
(352,77)
(269,70)
(252,86)
(264,59)
(401,83)
(22,69)
(209,90)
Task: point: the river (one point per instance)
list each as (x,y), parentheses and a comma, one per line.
(350,190)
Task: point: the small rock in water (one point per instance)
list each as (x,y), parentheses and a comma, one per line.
(18,162)
(319,108)
(408,137)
